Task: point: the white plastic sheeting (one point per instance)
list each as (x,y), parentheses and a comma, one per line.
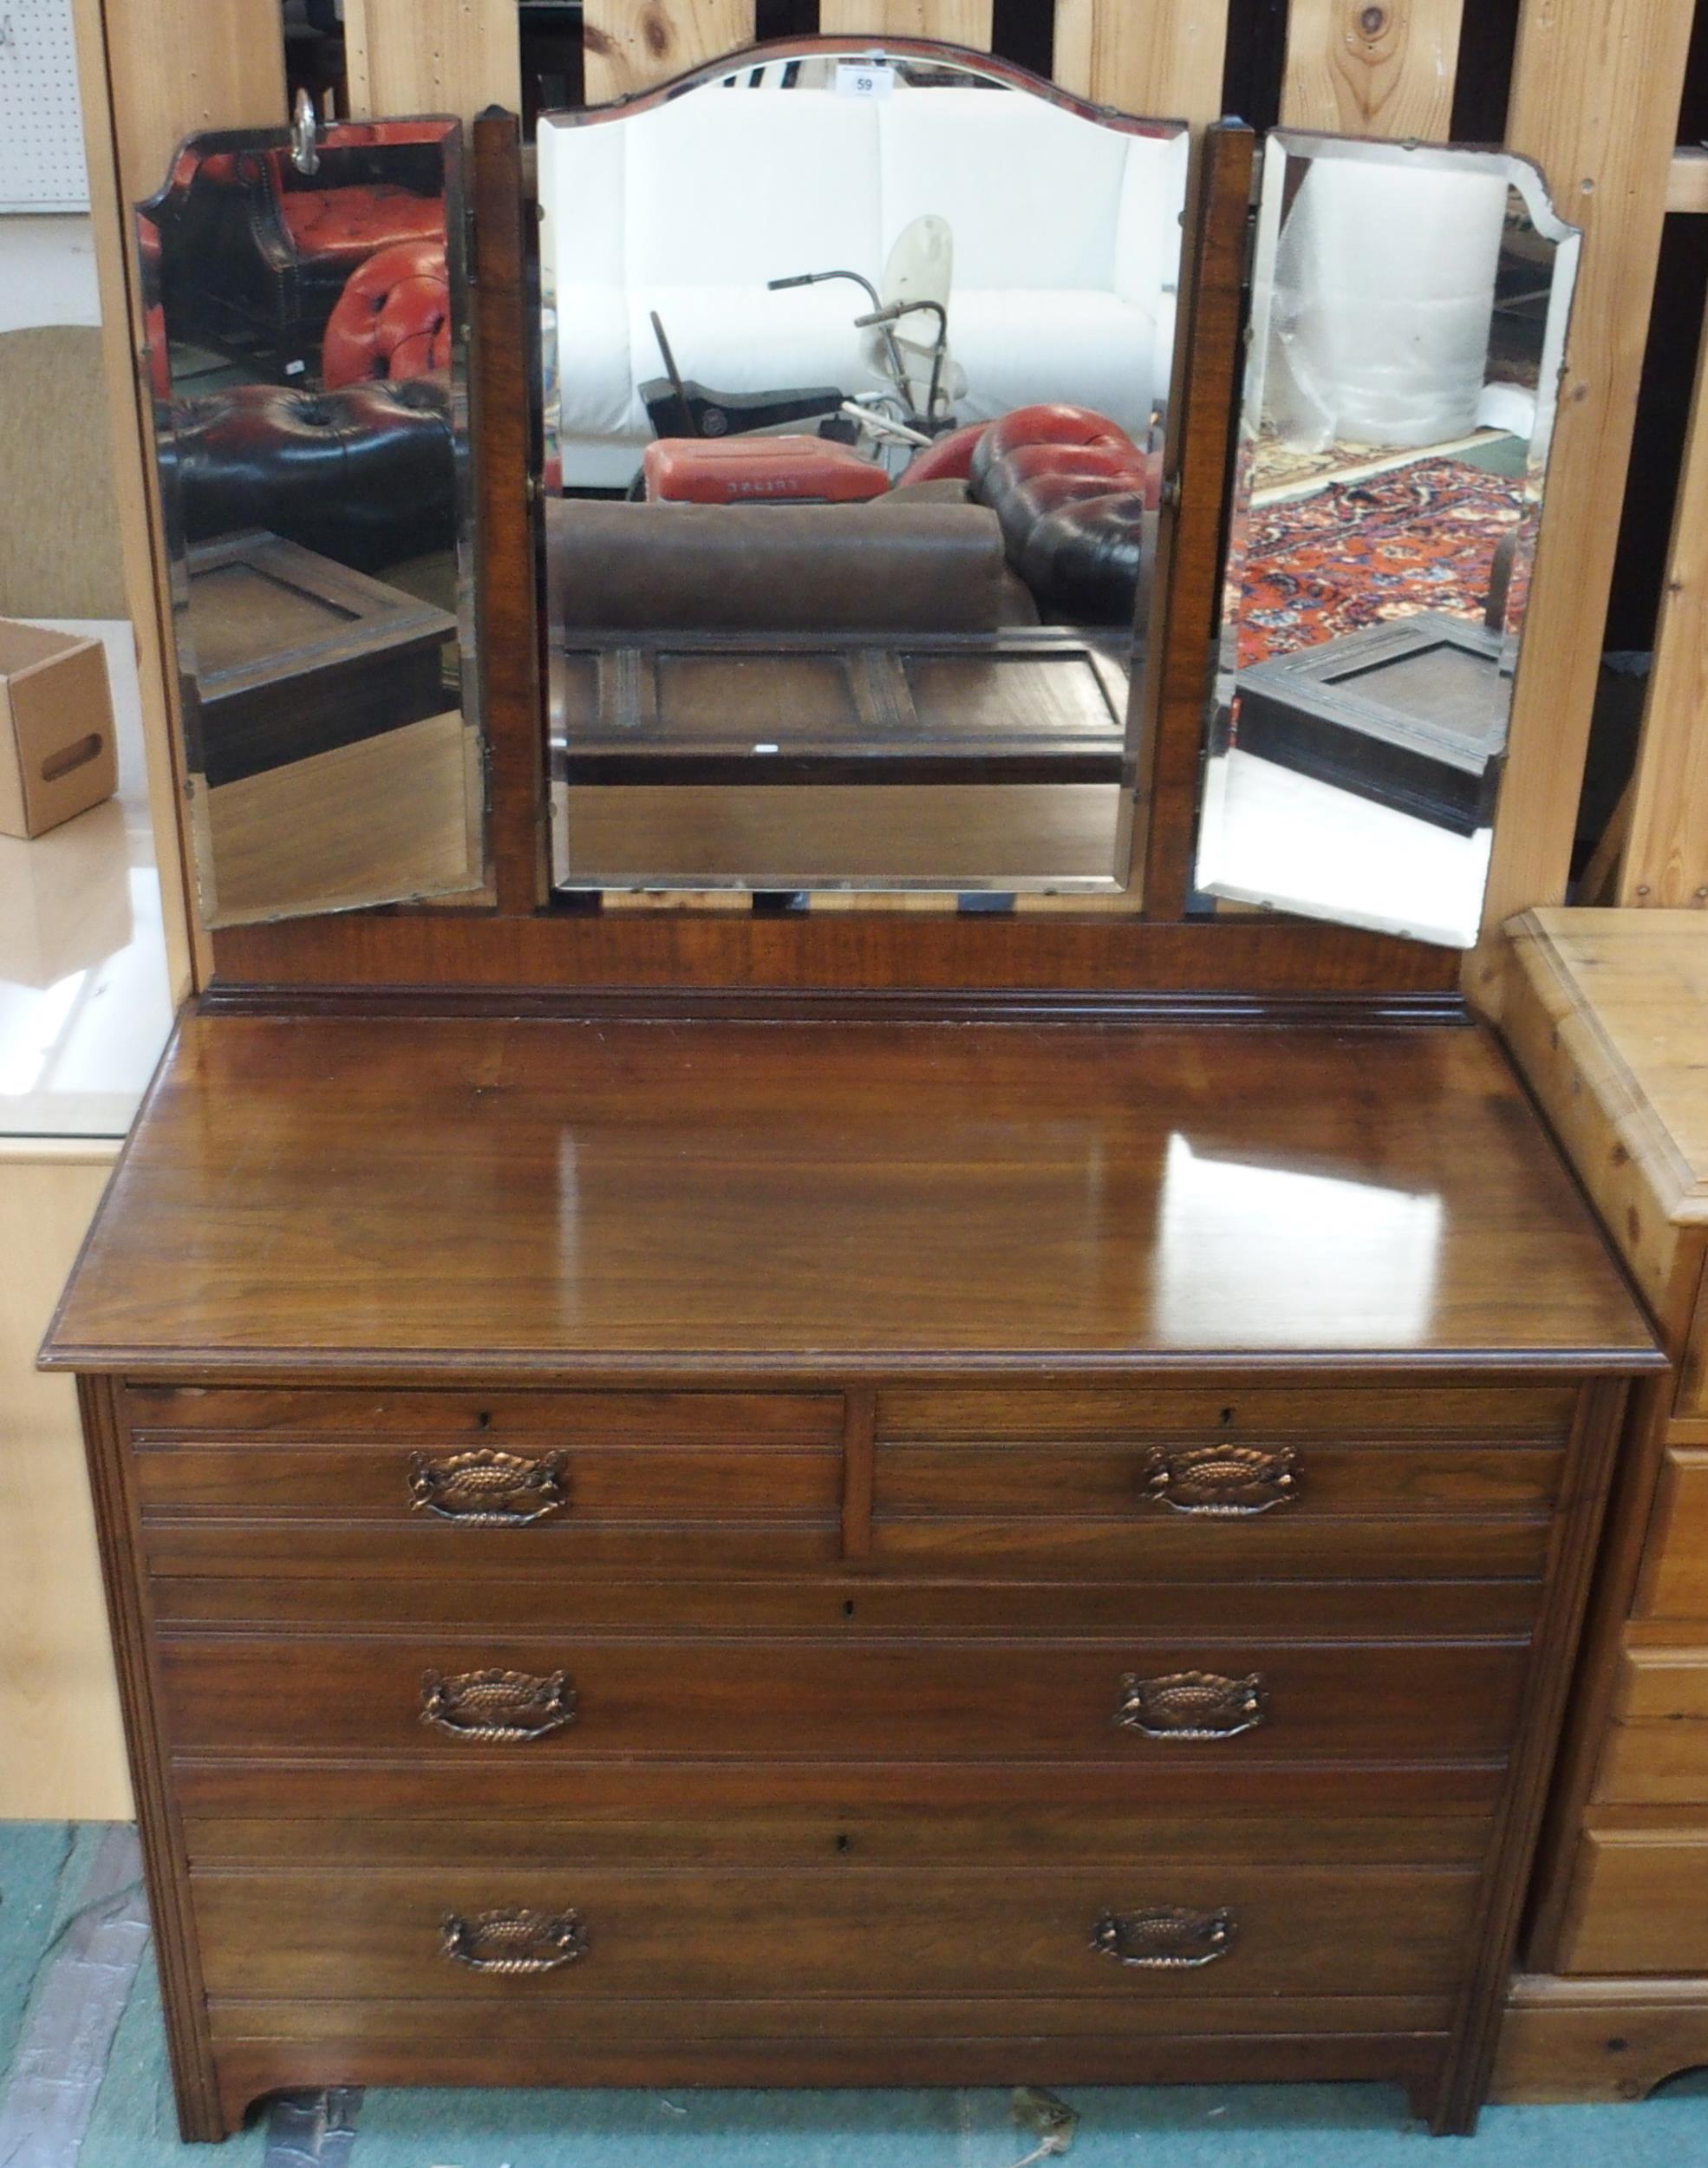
(1384,290)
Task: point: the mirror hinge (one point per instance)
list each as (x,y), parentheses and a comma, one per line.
(471,246)
(1249,263)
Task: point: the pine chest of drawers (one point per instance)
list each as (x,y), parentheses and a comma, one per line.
(841,1554)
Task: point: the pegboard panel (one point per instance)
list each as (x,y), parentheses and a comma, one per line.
(41,122)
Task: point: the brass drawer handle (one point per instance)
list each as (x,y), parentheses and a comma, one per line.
(484,1489)
(1226,1482)
(1166,1938)
(1192,1705)
(492,1706)
(513,1940)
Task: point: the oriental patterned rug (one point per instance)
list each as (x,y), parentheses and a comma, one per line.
(1359,553)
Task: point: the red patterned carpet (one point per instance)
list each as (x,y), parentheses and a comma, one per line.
(1353,554)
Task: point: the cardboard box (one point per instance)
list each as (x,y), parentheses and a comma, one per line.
(58,755)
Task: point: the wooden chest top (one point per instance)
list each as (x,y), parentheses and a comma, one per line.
(398,1195)
(1632,987)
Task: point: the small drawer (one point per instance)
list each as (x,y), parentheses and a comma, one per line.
(934,1413)
(1691,1402)
(1130,1929)
(1656,1752)
(343,1482)
(584,1699)
(478,1418)
(1174,1508)
(1674,1582)
(1639,1903)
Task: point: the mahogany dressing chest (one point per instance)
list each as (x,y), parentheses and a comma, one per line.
(872,1384)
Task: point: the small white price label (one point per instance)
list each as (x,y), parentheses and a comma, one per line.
(864,79)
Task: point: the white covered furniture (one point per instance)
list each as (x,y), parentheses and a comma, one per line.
(1066,249)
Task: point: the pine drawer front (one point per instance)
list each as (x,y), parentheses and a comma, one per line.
(581,1699)
(1315,1484)
(1639,1903)
(1129,1931)
(338,1482)
(1656,1753)
(1674,1579)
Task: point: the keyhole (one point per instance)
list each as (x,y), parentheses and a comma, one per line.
(483,1420)
(1227,1415)
(843,1840)
(848,1609)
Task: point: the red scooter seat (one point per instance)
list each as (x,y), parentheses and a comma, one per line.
(756,469)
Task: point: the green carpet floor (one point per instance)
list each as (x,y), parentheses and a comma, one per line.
(123,2119)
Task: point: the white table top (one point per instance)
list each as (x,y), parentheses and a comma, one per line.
(85,993)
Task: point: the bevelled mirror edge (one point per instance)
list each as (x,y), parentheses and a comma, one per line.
(1410,309)
(306,358)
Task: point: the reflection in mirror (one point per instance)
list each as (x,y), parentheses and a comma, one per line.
(1408,322)
(307,358)
(856,367)
(1384,1238)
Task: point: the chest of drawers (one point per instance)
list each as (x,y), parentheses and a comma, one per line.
(1607,1011)
(841,1555)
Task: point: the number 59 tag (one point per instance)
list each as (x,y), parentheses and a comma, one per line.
(864,79)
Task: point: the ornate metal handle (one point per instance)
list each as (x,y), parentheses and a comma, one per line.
(513,1940)
(1192,1705)
(1166,1938)
(491,1705)
(1225,1481)
(484,1489)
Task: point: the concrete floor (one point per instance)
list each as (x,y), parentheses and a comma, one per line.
(83,2085)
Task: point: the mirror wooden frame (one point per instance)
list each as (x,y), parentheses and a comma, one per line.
(526,950)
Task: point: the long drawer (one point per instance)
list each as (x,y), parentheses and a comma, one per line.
(1132,1930)
(585,1697)
(981,1833)
(533,1598)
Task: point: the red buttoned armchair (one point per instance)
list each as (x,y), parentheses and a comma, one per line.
(393,320)
(254,255)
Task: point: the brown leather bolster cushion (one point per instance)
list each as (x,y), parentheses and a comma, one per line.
(888,566)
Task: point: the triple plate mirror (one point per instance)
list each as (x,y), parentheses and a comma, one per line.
(855,366)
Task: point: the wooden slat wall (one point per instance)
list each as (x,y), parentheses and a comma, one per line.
(1354,68)
(1665,860)
(1595,92)
(959,22)
(432,56)
(631,43)
(1165,60)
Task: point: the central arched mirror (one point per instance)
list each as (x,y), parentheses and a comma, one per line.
(856,361)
